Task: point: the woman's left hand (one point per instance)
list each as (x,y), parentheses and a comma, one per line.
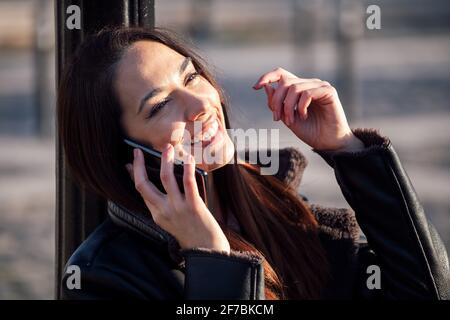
(310,108)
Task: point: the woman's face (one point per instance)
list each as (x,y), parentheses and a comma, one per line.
(164,100)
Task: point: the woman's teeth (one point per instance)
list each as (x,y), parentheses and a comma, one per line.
(208,134)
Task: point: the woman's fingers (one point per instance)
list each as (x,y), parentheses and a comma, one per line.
(280,92)
(272,76)
(189,182)
(147,189)
(308,96)
(269,92)
(275,75)
(167,176)
(279,95)
(293,97)
(276,97)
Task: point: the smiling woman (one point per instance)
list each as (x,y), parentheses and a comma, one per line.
(160,90)
(260,239)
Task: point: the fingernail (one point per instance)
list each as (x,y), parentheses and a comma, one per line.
(135,153)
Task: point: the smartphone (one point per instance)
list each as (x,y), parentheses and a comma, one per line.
(153,167)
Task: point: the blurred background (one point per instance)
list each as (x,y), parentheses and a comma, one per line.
(396,79)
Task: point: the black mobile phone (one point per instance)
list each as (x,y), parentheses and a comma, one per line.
(152,159)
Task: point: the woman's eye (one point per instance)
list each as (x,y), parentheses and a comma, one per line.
(161,104)
(157,108)
(192,76)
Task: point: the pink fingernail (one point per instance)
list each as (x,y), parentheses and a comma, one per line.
(135,153)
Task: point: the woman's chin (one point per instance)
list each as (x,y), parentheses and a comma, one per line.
(217,157)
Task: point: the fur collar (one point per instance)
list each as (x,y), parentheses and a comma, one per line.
(334,223)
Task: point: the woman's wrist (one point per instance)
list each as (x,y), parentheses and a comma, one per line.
(352,144)
(348,143)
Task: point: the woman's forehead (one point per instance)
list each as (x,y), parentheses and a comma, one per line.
(146,58)
(152,53)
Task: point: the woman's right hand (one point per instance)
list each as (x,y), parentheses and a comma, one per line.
(185,216)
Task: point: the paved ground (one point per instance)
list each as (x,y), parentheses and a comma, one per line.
(26,218)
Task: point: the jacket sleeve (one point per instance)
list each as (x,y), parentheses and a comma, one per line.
(215,275)
(209,275)
(413,260)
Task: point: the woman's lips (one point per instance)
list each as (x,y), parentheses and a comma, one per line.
(209,130)
(209,135)
(216,137)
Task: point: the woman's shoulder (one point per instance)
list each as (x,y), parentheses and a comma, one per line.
(348,253)
(113,262)
(290,165)
(110,242)
(339,233)
(90,251)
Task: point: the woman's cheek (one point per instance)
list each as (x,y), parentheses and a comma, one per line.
(178,135)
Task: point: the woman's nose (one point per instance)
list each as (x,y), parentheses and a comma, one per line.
(196,107)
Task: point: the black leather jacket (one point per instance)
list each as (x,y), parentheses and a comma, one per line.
(129,256)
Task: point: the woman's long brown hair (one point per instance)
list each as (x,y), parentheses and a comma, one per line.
(275,222)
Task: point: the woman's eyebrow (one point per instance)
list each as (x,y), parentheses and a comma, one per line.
(155,91)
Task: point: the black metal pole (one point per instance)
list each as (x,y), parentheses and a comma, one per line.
(78,211)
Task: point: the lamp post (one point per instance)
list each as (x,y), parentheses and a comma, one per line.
(78,211)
